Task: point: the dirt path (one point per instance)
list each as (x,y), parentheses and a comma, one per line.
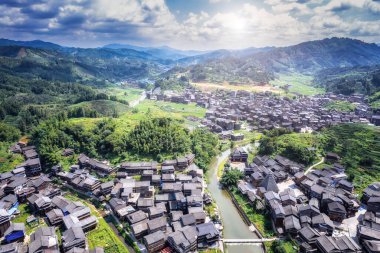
(138,101)
(315,164)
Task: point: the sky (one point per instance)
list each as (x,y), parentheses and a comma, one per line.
(189,24)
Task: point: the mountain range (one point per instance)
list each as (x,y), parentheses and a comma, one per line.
(116,62)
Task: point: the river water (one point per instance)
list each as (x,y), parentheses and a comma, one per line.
(233,224)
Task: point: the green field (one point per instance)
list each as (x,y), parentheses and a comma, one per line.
(148,108)
(104,107)
(124,93)
(341,106)
(299,83)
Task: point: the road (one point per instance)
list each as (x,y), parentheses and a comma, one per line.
(315,164)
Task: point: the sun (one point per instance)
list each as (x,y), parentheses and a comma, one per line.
(235,23)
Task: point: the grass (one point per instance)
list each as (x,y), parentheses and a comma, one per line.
(102,235)
(25,212)
(300,83)
(261,221)
(8,160)
(124,93)
(341,106)
(67,161)
(148,108)
(221,167)
(322,166)
(211,251)
(104,107)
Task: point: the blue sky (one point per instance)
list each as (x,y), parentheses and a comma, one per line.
(189,24)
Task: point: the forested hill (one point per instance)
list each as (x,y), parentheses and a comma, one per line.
(363,79)
(312,56)
(79,65)
(307,58)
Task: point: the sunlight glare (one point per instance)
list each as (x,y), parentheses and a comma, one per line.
(235,23)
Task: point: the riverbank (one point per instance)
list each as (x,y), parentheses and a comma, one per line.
(233,225)
(261,221)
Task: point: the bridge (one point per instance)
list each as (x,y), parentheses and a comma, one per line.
(247,241)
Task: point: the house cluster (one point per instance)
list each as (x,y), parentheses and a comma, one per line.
(266,111)
(163,204)
(189,95)
(32,165)
(27,186)
(314,208)
(165,207)
(369,228)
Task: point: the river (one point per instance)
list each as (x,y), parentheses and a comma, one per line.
(233,224)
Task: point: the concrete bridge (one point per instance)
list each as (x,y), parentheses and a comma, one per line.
(247,241)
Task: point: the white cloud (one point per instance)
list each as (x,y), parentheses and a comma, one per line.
(217,1)
(282,22)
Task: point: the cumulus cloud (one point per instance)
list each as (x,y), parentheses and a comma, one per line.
(280,22)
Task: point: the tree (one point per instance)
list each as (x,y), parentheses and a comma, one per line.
(278,247)
(204,146)
(155,136)
(231,177)
(8,132)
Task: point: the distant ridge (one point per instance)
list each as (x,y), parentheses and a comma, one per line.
(33,43)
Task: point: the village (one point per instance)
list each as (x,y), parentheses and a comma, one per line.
(316,208)
(263,111)
(166,207)
(161,206)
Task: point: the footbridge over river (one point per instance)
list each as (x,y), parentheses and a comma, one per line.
(247,241)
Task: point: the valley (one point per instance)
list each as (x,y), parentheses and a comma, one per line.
(158,144)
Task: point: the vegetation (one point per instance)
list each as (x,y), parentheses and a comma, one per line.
(349,80)
(281,246)
(103,236)
(299,147)
(170,82)
(222,166)
(374,100)
(262,221)
(159,136)
(8,160)
(296,83)
(231,177)
(341,106)
(359,147)
(204,146)
(8,133)
(152,138)
(51,136)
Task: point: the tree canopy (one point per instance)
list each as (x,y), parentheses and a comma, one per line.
(159,136)
(231,177)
